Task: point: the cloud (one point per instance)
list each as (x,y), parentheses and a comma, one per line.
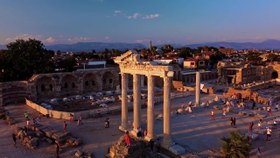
(117,11)
(25,36)
(134,16)
(49,40)
(151,16)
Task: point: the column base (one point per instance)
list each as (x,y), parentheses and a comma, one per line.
(147,138)
(166,142)
(123,129)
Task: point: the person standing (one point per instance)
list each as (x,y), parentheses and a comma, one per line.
(268,133)
(212,114)
(65,126)
(14,139)
(57,150)
(79,122)
(127,138)
(253,105)
(234,122)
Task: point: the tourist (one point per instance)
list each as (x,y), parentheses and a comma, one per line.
(231,121)
(65,126)
(269,110)
(277,107)
(224,113)
(212,115)
(71,117)
(57,150)
(275,123)
(26,115)
(234,122)
(268,133)
(207,104)
(14,139)
(107,123)
(260,125)
(127,138)
(251,127)
(27,123)
(253,105)
(259,152)
(79,120)
(139,132)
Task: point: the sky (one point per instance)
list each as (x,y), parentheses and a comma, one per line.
(161,21)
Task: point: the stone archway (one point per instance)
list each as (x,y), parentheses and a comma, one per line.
(69,85)
(45,87)
(92,83)
(274,75)
(108,81)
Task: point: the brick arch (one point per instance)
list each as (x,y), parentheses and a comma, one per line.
(109,81)
(69,84)
(45,86)
(92,82)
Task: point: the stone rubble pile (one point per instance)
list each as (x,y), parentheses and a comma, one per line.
(121,150)
(29,138)
(81,154)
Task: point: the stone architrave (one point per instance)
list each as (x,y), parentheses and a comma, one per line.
(197,89)
(124,111)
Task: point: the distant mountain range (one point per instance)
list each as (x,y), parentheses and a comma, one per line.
(97,46)
(267,44)
(100,46)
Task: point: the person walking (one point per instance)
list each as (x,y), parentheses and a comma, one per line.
(14,139)
(65,126)
(251,127)
(259,154)
(260,125)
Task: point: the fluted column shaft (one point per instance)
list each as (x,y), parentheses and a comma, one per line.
(124,111)
(136,101)
(150,108)
(197,89)
(166,111)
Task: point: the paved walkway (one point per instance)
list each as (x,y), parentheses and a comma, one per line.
(195,131)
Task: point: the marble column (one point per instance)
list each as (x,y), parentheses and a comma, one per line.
(136,101)
(166,112)
(124,110)
(197,89)
(150,108)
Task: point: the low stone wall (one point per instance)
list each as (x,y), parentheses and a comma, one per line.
(50,113)
(13,92)
(67,115)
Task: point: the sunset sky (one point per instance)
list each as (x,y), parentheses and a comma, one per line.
(162,21)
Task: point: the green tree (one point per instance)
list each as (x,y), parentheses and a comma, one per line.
(25,58)
(254,57)
(236,146)
(68,64)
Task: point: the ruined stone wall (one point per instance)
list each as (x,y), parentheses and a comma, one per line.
(13,92)
(51,85)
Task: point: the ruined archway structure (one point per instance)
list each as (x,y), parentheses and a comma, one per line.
(50,85)
(130,63)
